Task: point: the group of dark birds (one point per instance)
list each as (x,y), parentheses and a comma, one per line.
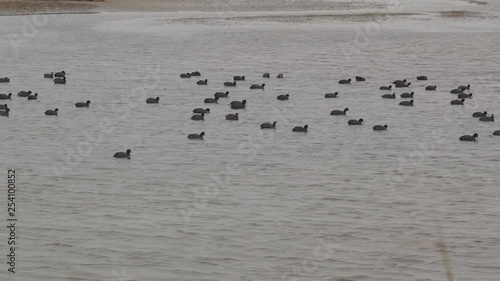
(199,113)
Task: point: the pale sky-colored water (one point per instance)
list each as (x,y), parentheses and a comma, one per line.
(337,202)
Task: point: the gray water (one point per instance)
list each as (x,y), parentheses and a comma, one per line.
(244,204)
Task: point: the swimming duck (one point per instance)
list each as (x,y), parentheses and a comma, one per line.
(211,100)
(52,112)
(389,96)
(238,104)
(196,136)
(331,95)
(200,117)
(5,97)
(230,84)
(60,74)
(202,82)
(221,94)
(407,95)
(268,125)
(479,114)
(283,97)
(33,97)
(457,102)
(355,122)
(153,100)
(201,110)
(487,118)
(82,104)
(380,127)
(339,112)
(256,86)
(123,154)
(406,103)
(469,137)
(300,129)
(232,117)
(60,80)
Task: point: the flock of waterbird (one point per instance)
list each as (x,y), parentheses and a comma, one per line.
(199,113)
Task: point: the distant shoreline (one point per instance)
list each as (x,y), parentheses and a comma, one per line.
(39,7)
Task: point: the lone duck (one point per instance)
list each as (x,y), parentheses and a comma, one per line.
(195,73)
(268,125)
(389,96)
(469,137)
(386,88)
(331,95)
(60,80)
(200,117)
(355,122)
(202,82)
(345,81)
(33,97)
(421,78)
(52,112)
(238,104)
(479,114)
(300,129)
(257,86)
(283,97)
(239,78)
(280,75)
(406,103)
(339,112)
(5,80)
(465,96)
(360,79)
(457,102)
(407,95)
(82,104)
(5,112)
(496,133)
(48,75)
(430,88)
(221,94)
(153,100)
(266,75)
(125,155)
(230,84)
(60,74)
(487,118)
(233,117)
(380,127)
(24,94)
(5,97)
(211,100)
(186,75)
(200,110)
(196,136)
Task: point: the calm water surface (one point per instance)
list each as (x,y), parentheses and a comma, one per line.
(338,202)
